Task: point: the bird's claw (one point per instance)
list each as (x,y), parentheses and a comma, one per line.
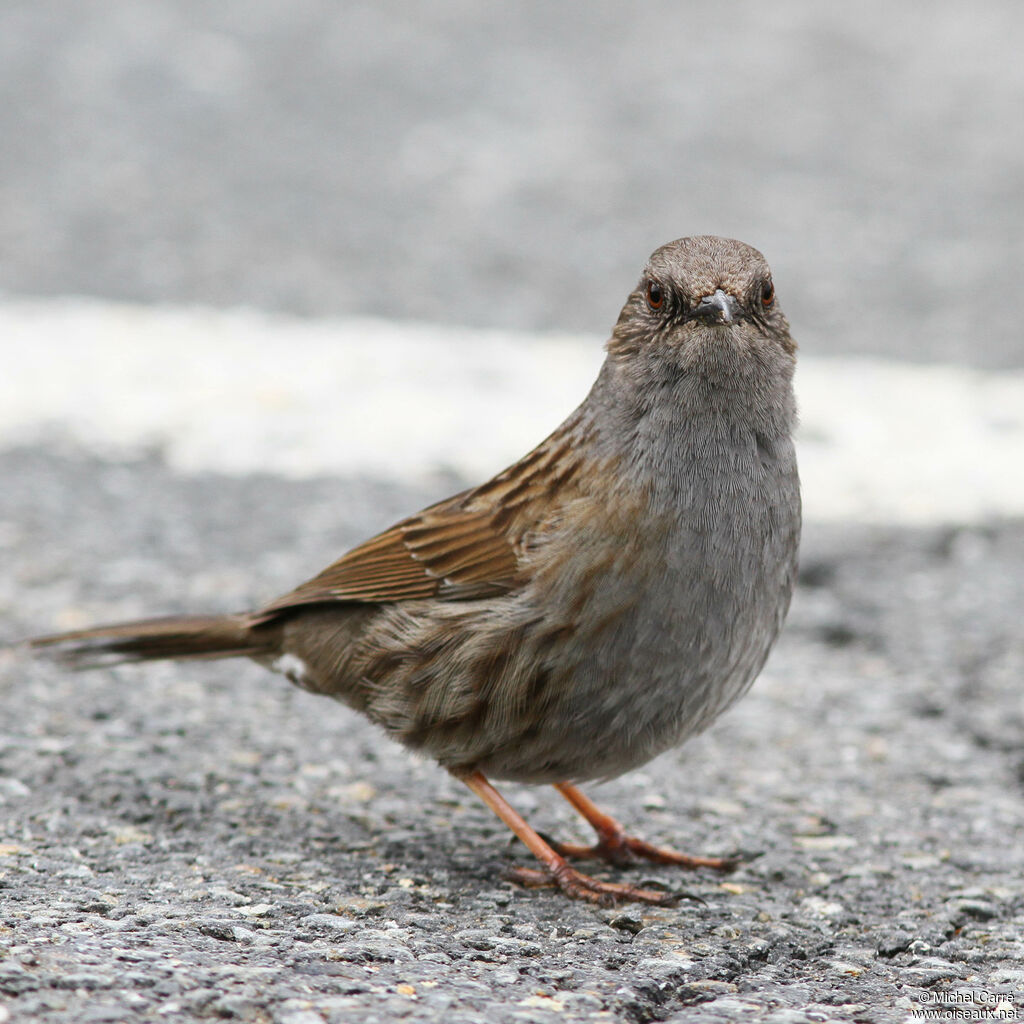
(579,886)
(624,850)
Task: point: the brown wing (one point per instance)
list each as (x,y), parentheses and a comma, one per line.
(469,546)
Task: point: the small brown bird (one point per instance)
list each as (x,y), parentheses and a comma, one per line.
(601,600)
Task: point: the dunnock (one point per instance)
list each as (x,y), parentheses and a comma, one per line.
(601,600)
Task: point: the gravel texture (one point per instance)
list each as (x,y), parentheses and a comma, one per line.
(182,842)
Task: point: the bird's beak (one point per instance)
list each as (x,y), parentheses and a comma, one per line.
(720,308)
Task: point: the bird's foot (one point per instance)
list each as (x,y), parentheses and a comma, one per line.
(555,869)
(617,847)
(579,886)
(622,850)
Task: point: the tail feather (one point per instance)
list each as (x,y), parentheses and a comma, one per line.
(175,637)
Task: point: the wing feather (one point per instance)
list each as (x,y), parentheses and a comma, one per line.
(468,546)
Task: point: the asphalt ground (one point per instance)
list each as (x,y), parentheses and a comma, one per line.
(202,841)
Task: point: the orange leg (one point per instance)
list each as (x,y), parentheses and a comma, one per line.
(616,847)
(556,870)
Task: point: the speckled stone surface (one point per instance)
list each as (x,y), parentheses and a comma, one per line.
(182,842)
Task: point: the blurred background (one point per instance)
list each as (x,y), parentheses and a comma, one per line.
(512,165)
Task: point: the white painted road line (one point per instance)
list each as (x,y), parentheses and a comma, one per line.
(242,391)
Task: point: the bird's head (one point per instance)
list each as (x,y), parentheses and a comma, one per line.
(704,305)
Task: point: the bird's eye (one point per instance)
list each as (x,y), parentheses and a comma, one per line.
(655,295)
(768,294)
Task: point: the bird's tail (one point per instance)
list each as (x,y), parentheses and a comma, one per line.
(176,636)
